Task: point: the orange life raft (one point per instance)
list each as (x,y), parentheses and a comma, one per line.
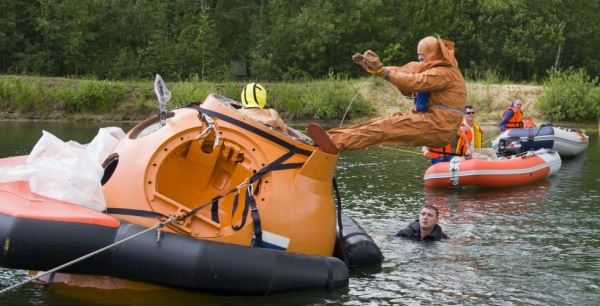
(246,188)
(206,156)
(505,172)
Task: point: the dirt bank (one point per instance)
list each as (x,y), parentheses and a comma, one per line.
(489,100)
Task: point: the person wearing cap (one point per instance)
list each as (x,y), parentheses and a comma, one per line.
(512,116)
(426,228)
(254,100)
(439,92)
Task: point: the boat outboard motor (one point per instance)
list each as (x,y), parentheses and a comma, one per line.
(510,146)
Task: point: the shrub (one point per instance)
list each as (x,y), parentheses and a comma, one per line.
(569,95)
(20,96)
(183,93)
(330,99)
(93,96)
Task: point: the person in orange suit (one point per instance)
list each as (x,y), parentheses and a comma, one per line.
(439,92)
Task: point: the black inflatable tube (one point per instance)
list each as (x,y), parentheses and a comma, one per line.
(175,260)
(357,247)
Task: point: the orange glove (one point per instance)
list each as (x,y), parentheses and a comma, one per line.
(369,61)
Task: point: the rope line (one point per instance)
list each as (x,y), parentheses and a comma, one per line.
(402,150)
(157,226)
(352,101)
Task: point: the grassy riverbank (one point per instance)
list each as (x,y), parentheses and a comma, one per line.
(43,98)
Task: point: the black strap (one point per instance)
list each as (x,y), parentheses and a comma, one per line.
(134,212)
(51,278)
(250,201)
(252,129)
(244,213)
(214,209)
(255,219)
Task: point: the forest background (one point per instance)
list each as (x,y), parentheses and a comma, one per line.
(109,50)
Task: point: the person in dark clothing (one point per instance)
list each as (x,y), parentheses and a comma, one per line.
(426,228)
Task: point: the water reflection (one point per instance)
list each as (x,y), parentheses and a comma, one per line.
(535,244)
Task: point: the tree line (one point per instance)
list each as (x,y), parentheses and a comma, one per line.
(275,40)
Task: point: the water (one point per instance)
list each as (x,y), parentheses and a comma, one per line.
(535,245)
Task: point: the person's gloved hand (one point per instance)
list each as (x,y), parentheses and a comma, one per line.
(369,61)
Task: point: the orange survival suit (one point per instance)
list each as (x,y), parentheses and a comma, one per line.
(437,126)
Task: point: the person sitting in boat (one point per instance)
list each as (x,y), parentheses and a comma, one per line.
(473,138)
(512,116)
(426,228)
(439,89)
(469,137)
(254,100)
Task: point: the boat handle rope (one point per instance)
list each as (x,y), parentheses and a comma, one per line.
(454,169)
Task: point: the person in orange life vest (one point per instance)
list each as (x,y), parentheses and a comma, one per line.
(254,100)
(440,91)
(461,147)
(474,137)
(512,116)
(469,144)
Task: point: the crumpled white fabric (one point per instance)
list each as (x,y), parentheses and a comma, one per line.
(67,171)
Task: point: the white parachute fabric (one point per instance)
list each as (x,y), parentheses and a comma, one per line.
(67,171)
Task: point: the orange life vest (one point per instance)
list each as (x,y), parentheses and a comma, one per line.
(516,121)
(463,143)
(456,150)
(435,153)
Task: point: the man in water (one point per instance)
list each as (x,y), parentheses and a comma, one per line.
(426,228)
(439,91)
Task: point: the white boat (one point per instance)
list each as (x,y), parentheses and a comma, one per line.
(514,170)
(567,142)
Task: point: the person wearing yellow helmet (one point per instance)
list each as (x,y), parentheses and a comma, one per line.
(254,96)
(254,100)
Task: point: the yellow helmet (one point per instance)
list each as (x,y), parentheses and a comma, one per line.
(254,96)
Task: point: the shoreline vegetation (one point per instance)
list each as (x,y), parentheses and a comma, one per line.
(325,101)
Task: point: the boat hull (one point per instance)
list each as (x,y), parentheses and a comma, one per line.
(567,142)
(512,171)
(57,232)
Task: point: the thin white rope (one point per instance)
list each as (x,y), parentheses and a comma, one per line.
(158,225)
(352,101)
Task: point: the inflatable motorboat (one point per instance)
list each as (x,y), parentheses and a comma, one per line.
(508,171)
(567,142)
(242,209)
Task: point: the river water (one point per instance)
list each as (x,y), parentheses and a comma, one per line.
(532,245)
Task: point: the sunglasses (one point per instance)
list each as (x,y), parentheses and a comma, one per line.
(470,113)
